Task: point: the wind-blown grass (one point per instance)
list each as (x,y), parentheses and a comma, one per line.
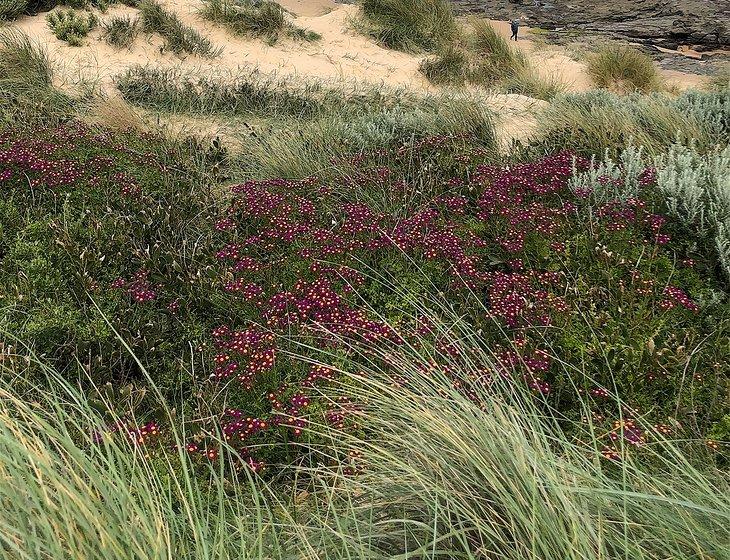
(310,147)
(26,76)
(595,121)
(623,67)
(448,477)
(470,471)
(71,489)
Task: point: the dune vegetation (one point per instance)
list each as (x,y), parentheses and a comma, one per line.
(258,19)
(365,329)
(623,67)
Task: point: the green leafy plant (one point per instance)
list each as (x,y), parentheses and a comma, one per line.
(71,26)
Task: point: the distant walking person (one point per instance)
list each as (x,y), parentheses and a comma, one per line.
(515,25)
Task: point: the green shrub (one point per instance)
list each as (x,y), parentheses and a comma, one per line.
(178,36)
(721,78)
(621,66)
(11,9)
(409,24)
(71,26)
(712,109)
(696,188)
(120,31)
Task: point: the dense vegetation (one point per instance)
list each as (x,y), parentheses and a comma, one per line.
(366,332)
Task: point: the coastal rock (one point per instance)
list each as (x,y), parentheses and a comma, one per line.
(703,24)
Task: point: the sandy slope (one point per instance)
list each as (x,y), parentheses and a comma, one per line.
(340,56)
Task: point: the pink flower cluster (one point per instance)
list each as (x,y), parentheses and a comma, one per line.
(138,286)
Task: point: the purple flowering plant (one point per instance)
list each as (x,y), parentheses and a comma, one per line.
(578,302)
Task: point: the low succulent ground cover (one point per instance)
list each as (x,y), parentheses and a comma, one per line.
(608,310)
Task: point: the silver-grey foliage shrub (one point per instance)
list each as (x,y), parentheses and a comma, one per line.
(696,188)
(710,108)
(612,180)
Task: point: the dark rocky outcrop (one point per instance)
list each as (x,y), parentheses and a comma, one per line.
(702,24)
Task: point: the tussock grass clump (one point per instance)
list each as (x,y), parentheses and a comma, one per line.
(481,57)
(623,67)
(120,31)
(409,25)
(256,19)
(23,61)
(71,26)
(528,82)
(494,52)
(11,9)
(178,37)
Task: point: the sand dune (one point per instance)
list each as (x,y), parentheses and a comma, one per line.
(341,56)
